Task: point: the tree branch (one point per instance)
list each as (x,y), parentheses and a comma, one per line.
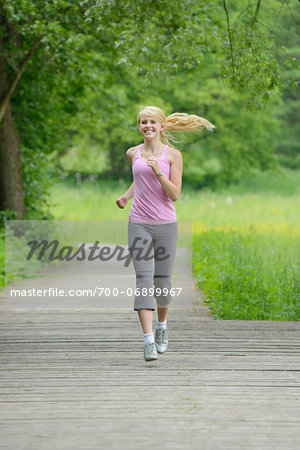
(5,100)
(254,18)
(229,35)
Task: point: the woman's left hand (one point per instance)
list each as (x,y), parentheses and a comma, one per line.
(152,162)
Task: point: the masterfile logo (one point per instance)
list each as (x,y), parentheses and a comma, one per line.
(143,248)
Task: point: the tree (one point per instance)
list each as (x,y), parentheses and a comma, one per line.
(49,33)
(288,145)
(27,28)
(245,138)
(50,43)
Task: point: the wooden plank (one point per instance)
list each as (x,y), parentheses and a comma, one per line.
(74,378)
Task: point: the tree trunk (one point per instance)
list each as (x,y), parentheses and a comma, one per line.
(11,190)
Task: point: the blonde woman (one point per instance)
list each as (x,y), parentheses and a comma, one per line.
(152,227)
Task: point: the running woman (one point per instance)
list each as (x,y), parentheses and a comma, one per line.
(157,178)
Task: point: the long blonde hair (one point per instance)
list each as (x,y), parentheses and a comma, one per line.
(174,122)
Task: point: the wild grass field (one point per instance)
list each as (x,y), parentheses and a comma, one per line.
(265,199)
(246,239)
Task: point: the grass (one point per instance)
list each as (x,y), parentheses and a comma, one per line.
(96,201)
(249,275)
(246,239)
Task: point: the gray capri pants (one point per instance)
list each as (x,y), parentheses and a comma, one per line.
(152,249)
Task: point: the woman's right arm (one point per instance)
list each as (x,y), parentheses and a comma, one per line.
(123,200)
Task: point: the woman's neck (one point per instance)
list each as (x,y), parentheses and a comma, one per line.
(153,146)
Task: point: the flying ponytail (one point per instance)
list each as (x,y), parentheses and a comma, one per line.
(186,122)
(175,122)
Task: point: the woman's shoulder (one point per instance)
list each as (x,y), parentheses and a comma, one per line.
(173,154)
(131,152)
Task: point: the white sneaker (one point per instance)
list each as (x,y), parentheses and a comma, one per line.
(150,352)
(161,339)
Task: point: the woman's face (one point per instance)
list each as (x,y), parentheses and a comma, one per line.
(150,127)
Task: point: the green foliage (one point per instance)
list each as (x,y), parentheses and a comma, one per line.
(249,277)
(287,147)
(156,38)
(7,215)
(242,140)
(273,42)
(58,25)
(37,180)
(98,60)
(85,48)
(49,90)
(16,251)
(17,236)
(253,56)
(209,158)
(250,64)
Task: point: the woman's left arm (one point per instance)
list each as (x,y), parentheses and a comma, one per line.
(172,186)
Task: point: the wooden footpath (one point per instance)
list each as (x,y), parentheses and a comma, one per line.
(73,377)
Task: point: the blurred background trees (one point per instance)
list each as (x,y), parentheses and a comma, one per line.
(73,110)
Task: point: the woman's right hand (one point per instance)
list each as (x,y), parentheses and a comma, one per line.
(122,202)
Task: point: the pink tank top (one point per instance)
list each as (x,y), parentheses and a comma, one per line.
(151,205)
